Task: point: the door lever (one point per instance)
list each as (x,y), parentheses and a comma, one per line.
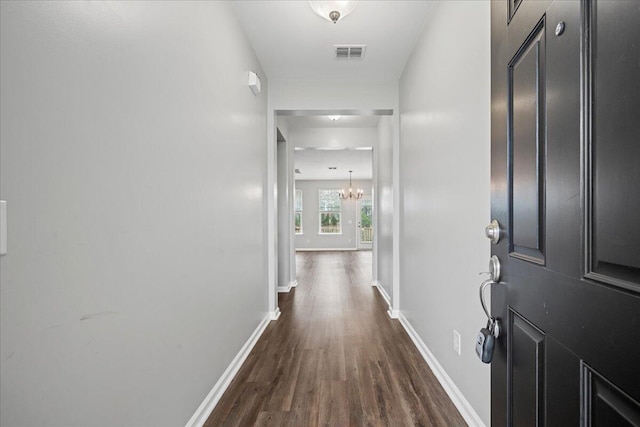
(485,341)
(494,277)
(494,269)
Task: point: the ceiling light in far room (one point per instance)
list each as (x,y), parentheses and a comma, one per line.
(350,195)
(333,10)
(334,118)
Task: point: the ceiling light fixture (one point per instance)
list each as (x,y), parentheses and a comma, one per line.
(334,118)
(333,10)
(350,195)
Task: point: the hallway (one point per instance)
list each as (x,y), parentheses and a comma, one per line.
(334,358)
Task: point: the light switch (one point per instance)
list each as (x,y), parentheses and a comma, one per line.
(3,227)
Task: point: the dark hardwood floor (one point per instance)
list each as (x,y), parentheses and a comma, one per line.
(334,358)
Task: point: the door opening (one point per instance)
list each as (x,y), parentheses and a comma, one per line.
(365,223)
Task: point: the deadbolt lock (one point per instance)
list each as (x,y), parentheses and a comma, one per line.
(492,231)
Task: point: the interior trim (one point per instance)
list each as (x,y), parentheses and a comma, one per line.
(286,289)
(456,396)
(324,249)
(382,291)
(370,112)
(206,407)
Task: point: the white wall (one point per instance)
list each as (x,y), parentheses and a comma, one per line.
(311,237)
(445,175)
(136,266)
(384,229)
(334,137)
(332,95)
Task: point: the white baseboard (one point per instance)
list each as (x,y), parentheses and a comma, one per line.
(275,314)
(206,407)
(383,292)
(325,249)
(391,312)
(456,396)
(285,289)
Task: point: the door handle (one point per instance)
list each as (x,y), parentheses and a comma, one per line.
(494,277)
(485,342)
(492,231)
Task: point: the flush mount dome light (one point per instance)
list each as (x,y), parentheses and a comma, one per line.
(333,10)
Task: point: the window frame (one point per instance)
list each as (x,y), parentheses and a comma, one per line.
(334,212)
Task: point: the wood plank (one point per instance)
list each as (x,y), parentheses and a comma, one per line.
(335,358)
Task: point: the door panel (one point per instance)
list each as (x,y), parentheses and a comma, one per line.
(606,405)
(526,366)
(513,7)
(527,146)
(565,189)
(614,150)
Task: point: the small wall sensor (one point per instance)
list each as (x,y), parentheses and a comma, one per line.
(254,83)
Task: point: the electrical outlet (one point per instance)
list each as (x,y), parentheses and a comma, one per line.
(456,342)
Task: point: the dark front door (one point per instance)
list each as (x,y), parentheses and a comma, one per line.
(566,192)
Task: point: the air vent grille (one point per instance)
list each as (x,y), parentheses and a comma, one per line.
(349,51)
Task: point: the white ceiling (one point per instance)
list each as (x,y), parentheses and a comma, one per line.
(292,42)
(314,164)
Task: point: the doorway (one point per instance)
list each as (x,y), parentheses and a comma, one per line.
(352,134)
(365,223)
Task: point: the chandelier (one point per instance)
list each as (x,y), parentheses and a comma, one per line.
(350,195)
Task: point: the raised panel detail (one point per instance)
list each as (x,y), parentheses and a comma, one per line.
(604,404)
(527,147)
(613,148)
(526,372)
(513,7)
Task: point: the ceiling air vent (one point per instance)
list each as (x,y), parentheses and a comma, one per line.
(349,51)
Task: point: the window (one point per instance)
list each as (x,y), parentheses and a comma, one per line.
(330,210)
(298,211)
